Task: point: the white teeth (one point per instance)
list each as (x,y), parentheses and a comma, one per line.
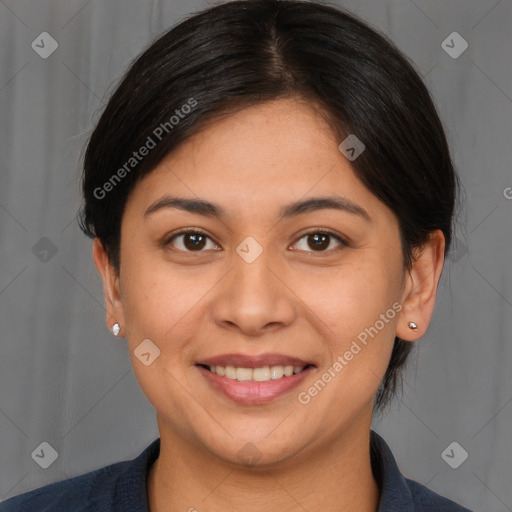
(276,372)
(243,374)
(263,374)
(230,372)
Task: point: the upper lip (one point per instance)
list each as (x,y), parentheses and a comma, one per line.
(246,361)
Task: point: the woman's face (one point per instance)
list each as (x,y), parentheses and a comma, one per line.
(258,290)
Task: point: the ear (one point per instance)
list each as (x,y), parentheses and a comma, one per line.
(113,303)
(419,294)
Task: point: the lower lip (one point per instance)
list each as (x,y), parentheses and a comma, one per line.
(250,392)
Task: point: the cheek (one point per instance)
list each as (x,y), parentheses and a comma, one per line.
(351,297)
(162,304)
(359,340)
(357,310)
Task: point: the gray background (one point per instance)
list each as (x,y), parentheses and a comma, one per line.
(65,380)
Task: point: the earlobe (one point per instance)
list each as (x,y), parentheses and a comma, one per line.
(113,304)
(419,295)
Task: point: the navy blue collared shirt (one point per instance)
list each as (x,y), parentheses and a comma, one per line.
(121,487)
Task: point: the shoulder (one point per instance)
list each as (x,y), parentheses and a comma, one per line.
(426,500)
(119,487)
(399,493)
(92,491)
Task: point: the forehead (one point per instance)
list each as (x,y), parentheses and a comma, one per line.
(257,159)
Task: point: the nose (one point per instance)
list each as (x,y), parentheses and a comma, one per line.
(254,298)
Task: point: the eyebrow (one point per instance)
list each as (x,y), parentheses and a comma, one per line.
(208,209)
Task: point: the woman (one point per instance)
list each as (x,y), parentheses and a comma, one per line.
(271,197)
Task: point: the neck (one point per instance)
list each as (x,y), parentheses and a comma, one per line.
(336,477)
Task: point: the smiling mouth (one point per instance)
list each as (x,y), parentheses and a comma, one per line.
(260,374)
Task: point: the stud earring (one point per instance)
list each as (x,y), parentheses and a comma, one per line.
(413,326)
(116,329)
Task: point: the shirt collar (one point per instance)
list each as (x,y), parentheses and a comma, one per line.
(131,494)
(394,490)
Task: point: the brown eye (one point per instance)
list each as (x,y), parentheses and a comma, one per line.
(192,240)
(320,241)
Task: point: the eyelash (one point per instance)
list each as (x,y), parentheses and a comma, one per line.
(314,231)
